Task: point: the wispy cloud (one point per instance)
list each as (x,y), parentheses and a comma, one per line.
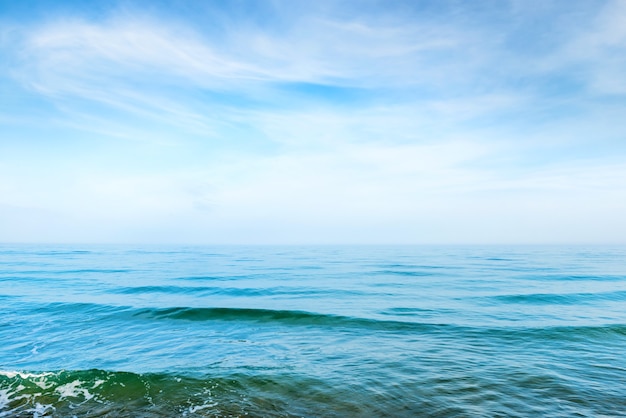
(415,120)
(599,51)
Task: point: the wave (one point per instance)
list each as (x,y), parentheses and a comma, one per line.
(283,317)
(250,315)
(416,312)
(412,320)
(594,332)
(560,298)
(41,252)
(449,391)
(571,277)
(405,273)
(97,393)
(49,273)
(236,291)
(189,290)
(100,393)
(216,278)
(90,271)
(403,266)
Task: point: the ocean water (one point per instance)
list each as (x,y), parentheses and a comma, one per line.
(407,331)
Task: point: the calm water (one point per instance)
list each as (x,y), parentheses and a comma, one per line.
(92,331)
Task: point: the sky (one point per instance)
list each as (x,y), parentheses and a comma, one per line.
(313,122)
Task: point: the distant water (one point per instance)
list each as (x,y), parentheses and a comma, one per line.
(96,331)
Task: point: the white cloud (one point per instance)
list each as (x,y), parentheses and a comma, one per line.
(77,57)
(353,193)
(595,53)
(432,154)
(121,48)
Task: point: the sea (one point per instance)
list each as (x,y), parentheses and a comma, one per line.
(312,331)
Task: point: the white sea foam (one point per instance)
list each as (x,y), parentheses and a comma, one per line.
(40,410)
(73,390)
(196,408)
(39,379)
(98,383)
(23,375)
(4,399)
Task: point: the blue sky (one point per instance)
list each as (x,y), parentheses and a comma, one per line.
(298,122)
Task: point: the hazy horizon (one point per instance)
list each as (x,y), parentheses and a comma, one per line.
(321,123)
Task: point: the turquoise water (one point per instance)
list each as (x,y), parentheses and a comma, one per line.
(105,331)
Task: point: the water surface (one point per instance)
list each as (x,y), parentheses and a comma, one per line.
(153,331)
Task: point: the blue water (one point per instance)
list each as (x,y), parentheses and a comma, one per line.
(109,331)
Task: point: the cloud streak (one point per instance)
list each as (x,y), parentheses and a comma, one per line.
(316,123)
